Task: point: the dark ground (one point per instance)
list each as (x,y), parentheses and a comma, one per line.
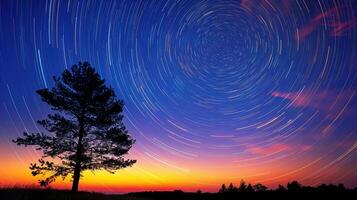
(49,194)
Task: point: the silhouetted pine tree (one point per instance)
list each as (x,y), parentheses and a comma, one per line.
(242,186)
(250,188)
(223,188)
(231,188)
(86,129)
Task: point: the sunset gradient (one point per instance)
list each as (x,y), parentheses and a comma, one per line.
(215,92)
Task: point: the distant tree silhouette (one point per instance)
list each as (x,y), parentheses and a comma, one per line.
(307,189)
(331,188)
(250,188)
(259,187)
(86,128)
(281,188)
(223,188)
(341,187)
(294,186)
(231,188)
(242,186)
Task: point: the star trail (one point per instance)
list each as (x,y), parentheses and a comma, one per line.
(214,91)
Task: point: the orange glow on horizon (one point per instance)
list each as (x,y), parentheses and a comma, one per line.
(146,175)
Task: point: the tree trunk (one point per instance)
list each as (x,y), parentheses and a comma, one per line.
(77,167)
(77,173)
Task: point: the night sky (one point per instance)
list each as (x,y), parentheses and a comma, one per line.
(214,91)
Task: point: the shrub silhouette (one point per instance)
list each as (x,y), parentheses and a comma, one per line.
(86,126)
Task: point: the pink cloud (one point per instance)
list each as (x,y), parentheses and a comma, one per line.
(306,147)
(309,28)
(332,103)
(278,148)
(272,149)
(247,4)
(326,100)
(338,28)
(267,4)
(303,98)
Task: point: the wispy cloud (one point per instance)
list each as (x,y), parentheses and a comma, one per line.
(269,150)
(268,4)
(340,27)
(310,27)
(336,25)
(333,104)
(318,99)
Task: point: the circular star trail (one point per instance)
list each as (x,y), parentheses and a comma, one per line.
(260,90)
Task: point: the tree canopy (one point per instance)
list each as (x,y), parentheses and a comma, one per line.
(85,130)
